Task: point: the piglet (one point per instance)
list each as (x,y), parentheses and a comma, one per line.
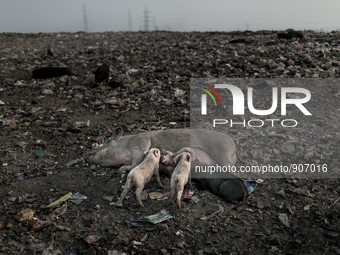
(142,174)
(180,177)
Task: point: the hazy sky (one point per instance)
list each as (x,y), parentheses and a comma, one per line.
(33,16)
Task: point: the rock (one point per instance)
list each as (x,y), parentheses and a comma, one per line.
(256,153)
(164,251)
(284,219)
(71,163)
(180,245)
(91,251)
(26,214)
(287,149)
(208,251)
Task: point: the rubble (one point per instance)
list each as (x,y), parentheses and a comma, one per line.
(52,112)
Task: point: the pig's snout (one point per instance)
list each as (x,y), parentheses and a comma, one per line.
(89,156)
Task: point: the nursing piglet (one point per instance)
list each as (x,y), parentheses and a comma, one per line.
(142,174)
(180,177)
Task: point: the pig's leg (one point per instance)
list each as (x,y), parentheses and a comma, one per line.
(127,188)
(179,195)
(172,194)
(135,161)
(190,185)
(157,176)
(123,169)
(139,190)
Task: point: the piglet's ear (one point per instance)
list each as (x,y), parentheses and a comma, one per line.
(157,153)
(146,153)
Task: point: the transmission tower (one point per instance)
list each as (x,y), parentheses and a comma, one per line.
(130,22)
(146,19)
(86,27)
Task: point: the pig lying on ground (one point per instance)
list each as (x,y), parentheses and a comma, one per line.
(128,152)
(180,177)
(142,174)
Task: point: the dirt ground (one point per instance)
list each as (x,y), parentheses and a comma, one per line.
(151,66)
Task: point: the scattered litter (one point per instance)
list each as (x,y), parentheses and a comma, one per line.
(114,252)
(144,238)
(71,163)
(62,110)
(133,243)
(49,250)
(108,198)
(179,232)
(116,204)
(59,211)
(259,181)
(2,103)
(78,196)
(40,154)
(298,47)
(132,222)
(284,219)
(302,191)
(39,224)
(69,253)
(26,214)
(188,195)
(92,238)
(307,207)
(159,196)
(163,215)
(195,199)
(249,187)
(79,124)
(60,200)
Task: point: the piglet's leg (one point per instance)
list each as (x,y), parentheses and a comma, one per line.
(190,185)
(126,190)
(172,195)
(139,190)
(157,176)
(123,169)
(179,195)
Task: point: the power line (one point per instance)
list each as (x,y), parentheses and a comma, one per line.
(205,14)
(86,27)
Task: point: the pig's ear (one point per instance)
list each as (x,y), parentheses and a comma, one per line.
(157,153)
(188,157)
(146,153)
(117,133)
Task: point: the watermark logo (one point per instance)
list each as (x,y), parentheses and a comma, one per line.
(238,99)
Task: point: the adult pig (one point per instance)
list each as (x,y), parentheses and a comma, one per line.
(128,152)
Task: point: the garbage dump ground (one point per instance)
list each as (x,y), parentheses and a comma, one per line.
(47,125)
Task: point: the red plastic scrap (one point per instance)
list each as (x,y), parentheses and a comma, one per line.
(188,195)
(59,211)
(39,224)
